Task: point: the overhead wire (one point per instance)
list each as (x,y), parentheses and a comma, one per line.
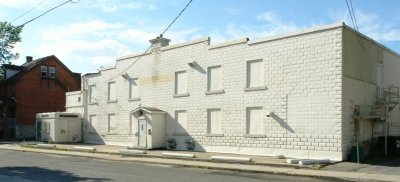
(161,35)
(26,12)
(354,21)
(55,7)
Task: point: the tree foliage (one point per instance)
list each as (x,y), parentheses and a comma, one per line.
(9,36)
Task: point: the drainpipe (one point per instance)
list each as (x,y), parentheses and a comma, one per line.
(386,129)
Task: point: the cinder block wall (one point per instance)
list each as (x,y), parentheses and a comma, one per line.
(303,77)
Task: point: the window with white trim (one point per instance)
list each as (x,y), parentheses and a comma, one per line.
(43,71)
(181,83)
(92,94)
(52,72)
(112,92)
(92,124)
(181,122)
(214,78)
(214,121)
(112,123)
(133,88)
(255,74)
(254,123)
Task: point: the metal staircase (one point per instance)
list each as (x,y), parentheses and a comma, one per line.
(387,99)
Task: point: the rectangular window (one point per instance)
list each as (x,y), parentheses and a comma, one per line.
(181,82)
(92,124)
(112,123)
(43,71)
(112,92)
(133,88)
(181,122)
(214,78)
(52,72)
(214,121)
(254,117)
(255,74)
(92,94)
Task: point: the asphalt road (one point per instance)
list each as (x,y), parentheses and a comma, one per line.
(25,166)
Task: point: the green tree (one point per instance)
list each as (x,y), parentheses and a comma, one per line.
(9,36)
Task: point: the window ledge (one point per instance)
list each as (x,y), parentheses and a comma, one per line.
(112,101)
(248,89)
(134,99)
(92,103)
(215,92)
(254,136)
(180,134)
(214,135)
(181,95)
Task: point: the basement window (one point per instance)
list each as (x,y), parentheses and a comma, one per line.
(43,71)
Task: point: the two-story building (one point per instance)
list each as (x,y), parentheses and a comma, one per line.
(34,87)
(310,94)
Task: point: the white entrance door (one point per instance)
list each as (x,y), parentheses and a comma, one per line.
(142,133)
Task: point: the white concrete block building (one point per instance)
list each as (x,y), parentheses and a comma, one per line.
(307,94)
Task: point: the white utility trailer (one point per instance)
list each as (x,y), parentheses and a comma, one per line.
(58,127)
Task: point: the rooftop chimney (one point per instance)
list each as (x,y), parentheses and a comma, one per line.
(29,59)
(159,42)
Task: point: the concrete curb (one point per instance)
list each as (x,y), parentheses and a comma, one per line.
(178,155)
(223,166)
(231,159)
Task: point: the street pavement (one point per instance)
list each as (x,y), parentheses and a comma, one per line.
(23,166)
(264,165)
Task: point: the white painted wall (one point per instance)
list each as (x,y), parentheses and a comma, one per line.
(391,68)
(302,89)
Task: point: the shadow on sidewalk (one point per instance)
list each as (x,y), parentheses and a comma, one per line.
(43,174)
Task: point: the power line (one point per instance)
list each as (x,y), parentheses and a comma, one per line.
(354,21)
(55,7)
(176,17)
(23,14)
(161,35)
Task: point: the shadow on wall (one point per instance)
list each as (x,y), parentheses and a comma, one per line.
(43,174)
(281,122)
(90,134)
(197,67)
(180,136)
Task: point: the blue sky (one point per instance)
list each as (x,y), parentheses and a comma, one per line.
(92,33)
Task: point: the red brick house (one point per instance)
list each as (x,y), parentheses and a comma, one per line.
(34,87)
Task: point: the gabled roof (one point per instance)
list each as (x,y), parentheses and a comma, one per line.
(148,110)
(24,68)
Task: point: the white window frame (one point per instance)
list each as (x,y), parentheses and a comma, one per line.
(110,129)
(211,122)
(133,81)
(52,72)
(91,128)
(179,129)
(112,98)
(177,91)
(43,71)
(210,81)
(250,76)
(92,94)
(250,131)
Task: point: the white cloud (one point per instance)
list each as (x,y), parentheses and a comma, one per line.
(112,6)
(270,24)
(372,25)
(136,36)
(85,51)
(95,27)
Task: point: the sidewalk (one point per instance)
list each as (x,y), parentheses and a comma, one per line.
(203,160)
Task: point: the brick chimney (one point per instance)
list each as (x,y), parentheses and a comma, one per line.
(29,59)
(159,42)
